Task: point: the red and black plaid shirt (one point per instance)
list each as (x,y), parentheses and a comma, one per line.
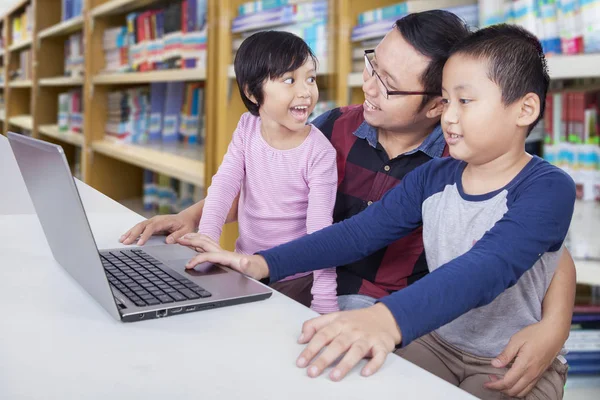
(365,174)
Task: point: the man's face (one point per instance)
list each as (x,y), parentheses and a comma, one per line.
(400,67)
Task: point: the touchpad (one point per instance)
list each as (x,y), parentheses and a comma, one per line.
(170,252)
(204,269)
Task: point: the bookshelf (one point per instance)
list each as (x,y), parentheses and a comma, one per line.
(70,137)
(129,78)
(61,81)
(62,28)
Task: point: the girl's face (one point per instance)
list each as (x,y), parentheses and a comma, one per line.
(290,99)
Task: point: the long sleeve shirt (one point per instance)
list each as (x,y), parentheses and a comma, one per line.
(477,247)
(284,194)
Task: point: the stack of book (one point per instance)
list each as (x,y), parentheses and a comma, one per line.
(70,111)
(71,9)
(23,70)
(22,25)
(165,195)
(166,38)
(563,26)
(306,19)
(572,137)
(374,24)
(583,345)
(74,65)
(167,112)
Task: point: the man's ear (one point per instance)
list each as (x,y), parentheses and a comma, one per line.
(529,110)
(434,108)
(249,96)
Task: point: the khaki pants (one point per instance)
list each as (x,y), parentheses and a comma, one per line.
(469,372)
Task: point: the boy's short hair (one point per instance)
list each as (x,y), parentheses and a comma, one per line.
(516,62)
(432,33)
(267,55)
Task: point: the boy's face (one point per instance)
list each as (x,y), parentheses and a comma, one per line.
(400,67)
(477,126)
(291,98)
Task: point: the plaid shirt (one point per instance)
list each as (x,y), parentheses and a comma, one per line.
(365,174)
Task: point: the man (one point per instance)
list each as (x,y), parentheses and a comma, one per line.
(378,143)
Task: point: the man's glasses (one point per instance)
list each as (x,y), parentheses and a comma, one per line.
(369,56)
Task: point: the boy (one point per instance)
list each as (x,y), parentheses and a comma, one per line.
(505,217)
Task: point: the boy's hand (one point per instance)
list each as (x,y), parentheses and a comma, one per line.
(371,332)
(201,243)
(254,266)
(535,348)
(175,225)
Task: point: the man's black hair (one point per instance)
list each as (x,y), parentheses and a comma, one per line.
(433,33)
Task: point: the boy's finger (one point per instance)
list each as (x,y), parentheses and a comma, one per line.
(310,327)
(358,350)
(320,339)
(175,236)
(518,387)
(379,356)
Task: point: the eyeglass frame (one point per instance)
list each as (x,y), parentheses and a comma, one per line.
(389,93)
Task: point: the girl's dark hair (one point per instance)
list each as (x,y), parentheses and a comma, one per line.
(267,55)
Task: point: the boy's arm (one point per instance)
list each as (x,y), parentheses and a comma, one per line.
(536,222)
(397,214)
(225,186)
(322,186)
(536,346)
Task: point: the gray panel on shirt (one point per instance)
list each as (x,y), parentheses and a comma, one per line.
(451,226)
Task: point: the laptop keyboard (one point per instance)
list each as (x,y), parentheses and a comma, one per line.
(146,281)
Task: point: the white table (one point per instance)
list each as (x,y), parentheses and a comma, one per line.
(56,342)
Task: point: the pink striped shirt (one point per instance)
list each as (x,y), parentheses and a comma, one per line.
(284,195)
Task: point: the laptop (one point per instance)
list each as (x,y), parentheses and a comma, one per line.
(132,283)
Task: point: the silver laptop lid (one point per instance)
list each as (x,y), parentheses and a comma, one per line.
(58,206)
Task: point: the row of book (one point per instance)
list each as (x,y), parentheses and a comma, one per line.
(583,345)
(563,26)
(572,137)
(71,9)
(307,20)
(74,65)
(165,195)
(374,24)
(70,111)
(24,68)
(168,112)
(165,38)
(22,25)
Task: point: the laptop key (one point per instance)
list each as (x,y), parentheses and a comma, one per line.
(165,298)
(189,294)
(152,302)
(177,296)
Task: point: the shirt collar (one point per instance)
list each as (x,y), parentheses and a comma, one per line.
(433,145)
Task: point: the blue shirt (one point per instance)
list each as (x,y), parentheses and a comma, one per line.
(538,208)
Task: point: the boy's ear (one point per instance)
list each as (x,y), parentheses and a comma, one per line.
(249,96)
(529,110)
(434,108)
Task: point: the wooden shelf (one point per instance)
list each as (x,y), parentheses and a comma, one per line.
(2,115)
(61,81)
(63,28)
(22,121)
(118,7)
(2,52)
(355,79)
(21,83)
(150,76)
(20,45)
(176,161)
(575,66)
(70,137)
